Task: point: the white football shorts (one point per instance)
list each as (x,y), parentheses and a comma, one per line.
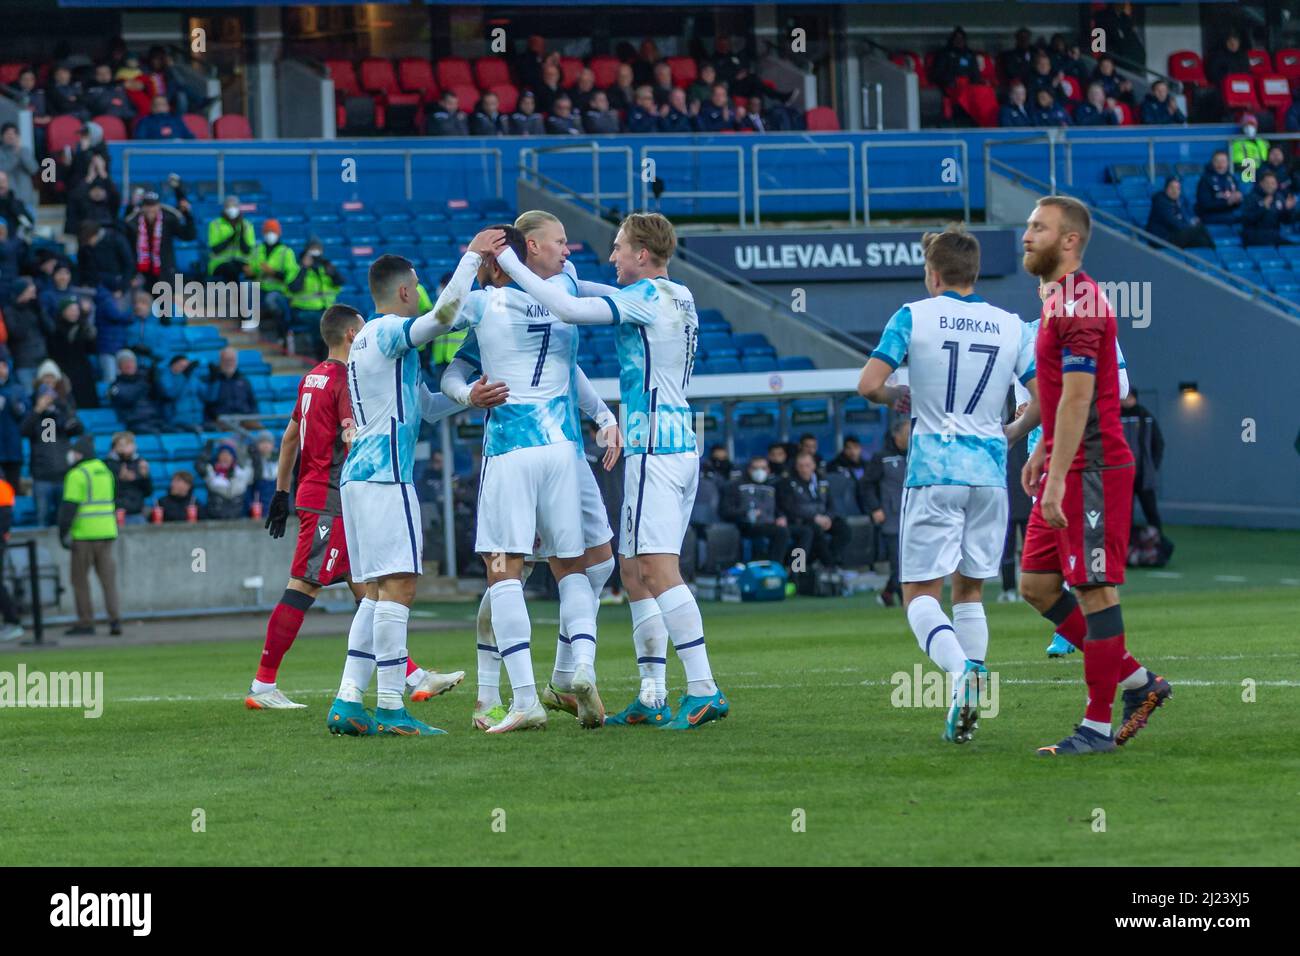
(658,495)
(381,520)
(947,528)
(595,519)
(527,494)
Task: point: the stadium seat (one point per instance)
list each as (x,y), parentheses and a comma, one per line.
(98,419)
(758,363)
(9,73)
(1274,92)
(489,71)
(377,76)
(745,341)
(1260,62)
(724,366)
(63,131)
(454,71)
(683,69)
(231,126)
(794,363)
(1239,92)
(570,69)
(908,59)
(114,129)
(416,76)
(1287,62)
(821,119)
(606,69)
(197,125)
(344,76)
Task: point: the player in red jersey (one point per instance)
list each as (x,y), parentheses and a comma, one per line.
(1081,474)
(321,428)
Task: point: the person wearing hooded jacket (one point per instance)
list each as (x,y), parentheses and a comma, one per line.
(227,480)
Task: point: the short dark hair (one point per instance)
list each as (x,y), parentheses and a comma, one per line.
(805,436)
(514,239)
(185,476)
(335,322)
(954,254)
(386,272)
(88,229)
(852,438)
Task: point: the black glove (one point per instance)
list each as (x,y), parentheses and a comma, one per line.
(278,514)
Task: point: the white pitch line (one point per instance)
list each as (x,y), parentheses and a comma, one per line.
(1181,682)
(1164,574)
(1230,578)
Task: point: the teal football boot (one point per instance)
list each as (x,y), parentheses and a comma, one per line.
(638,713)
(694,711)
(351,719)
(401,724)
(1060,647)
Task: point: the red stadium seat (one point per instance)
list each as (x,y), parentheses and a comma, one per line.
(1287,63)
(197,124)
(1186,66)
(684,70)
(1260,62)
(113,127)
(980,102)
(9,73)
(570,67)
(344,76)
(377,76)
(454,71)
(507,96)
(416,76)
(466,93)
(821,119)
(988,68)
(1126,117)
(232,126)
(1073,89)
(1274,92)
(1239,91)
(907,58)
(62,131)
(606,69)
(491,71)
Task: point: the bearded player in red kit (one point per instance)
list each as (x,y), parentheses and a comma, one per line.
(322,420)
(1081,475)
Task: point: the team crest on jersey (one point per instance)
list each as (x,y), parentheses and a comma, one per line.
(1071,562)
(324,530)
(1092,518)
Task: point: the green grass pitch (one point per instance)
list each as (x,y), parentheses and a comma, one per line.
(815,765)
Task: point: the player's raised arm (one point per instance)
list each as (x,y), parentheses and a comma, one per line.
(554,299)
(439,319)
(584,287)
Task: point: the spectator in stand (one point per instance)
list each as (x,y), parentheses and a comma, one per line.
(227,479)
(1018,62)
(778,460)
(65,95)
(264,461)
(1044,77)
(623,93)
(231,241)
(13,254)
(749,502)
(28,325)
(13,409)
(1293,116)
(103,257)
(488,120)
(155,228)
(701,90)
(717,465)
(1229,58)
(160,73)
(90,146)
(804,500)
(137,86)
(643,117)
(1277,165)
(162,123)
(180,496)
(562,122)
(529,66)
(1142,432)
(1058,48)
(882,498)
(1014,112)
(643,69)
(183,391)
(49,427)
(145,329)
(1263,213)
(311,292)
(93,198)
(581,91)
(132,396)
(808,446)
(19,165)
(73,347)
(59,289)
(107,97)
(113,322)
(447,119)
(1249,146)
(849,460)
(1093,111)
(955,61)
(1159,107)
(28,96)
(727,64)
(1118,89)
(750,116)
(14,211)
(1173,220)
(676,116)
(717,114)
(549,88)
(273,266)
(1122,36)
(1076,66)
(663,83)
(1218,198)
(525,120)
(229,392)
(1048,111)
(599,119)
(131,473)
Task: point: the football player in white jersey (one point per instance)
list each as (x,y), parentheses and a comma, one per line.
(657,330)
(380,510)
(962,355)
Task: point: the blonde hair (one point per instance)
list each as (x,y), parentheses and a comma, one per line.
(652,232)
(534,219)
(1074,217)
(954,254)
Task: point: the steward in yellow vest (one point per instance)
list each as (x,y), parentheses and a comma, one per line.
(88,525)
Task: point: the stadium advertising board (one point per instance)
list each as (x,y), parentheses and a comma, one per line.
(850,254)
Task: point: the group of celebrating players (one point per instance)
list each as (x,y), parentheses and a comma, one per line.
(358,418)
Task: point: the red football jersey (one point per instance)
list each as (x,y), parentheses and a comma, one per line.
(323,414)
(1077,334)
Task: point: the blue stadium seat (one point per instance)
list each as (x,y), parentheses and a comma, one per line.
(758,363)
(709,341)
(285,386)
(750,340)
(99,419)
(24,510)
(289,212)
(251,362)
(723,353)
(794,363)
(103,444)
(182,447)
(723,366)
(322,212)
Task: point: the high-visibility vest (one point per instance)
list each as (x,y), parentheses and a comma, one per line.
(280,258)
(1256,149)
(91,485)
(222,229)
(317,293)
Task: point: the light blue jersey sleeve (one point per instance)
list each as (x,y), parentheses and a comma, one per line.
(472,310)
(896,338)
(636,304)
(1025,367)
(393,335)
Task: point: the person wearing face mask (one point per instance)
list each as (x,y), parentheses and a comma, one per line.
(1249,147)
(273,265)
(311,292)
(749,502)
(230,243)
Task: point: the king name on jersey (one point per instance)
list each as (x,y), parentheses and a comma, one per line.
(963,323)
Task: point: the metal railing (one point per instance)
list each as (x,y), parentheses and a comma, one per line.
(528,159)
(738,194)
(850,190)
(963,187)
(313,156)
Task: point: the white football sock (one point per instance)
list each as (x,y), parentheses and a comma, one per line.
(359,665)
(489,661)
(934,632)
(598,575)
(562,672)
(686,628)
(413,679)
(390,652)
(1135,680)
(578,618)
(1097,725)
(651,640)
(972,628)
(514,634)
(261,687)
